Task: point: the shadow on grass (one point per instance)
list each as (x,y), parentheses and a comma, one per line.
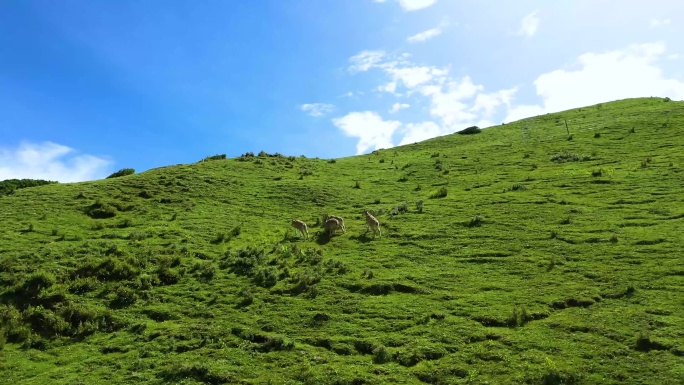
(323,238)
(362,238)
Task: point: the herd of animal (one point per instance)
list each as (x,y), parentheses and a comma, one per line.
(332,223)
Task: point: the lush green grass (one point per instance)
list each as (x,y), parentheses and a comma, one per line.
(534,258)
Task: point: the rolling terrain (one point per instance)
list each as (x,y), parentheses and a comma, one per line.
(544,251)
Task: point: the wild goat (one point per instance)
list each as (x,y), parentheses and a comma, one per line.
(301,226)
(373,223)
(326,217)
(331,225)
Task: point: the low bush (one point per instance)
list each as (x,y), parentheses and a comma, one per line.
(7,187)
(470,130)
(122,172)
(214,157)
(440,193)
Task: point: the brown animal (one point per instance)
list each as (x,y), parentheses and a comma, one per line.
(373,223)
(301,226)
(339,219)
(331,226)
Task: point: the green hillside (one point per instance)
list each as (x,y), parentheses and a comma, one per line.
(526,253)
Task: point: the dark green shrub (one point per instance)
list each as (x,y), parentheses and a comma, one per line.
(33,285)
(476,221)
(246,296)
(137,235)
(8,186)
(207,271)
(236,231)
(167,276)
(304,172)
(100,210)
(305,281)
(381,355)
(518,187)
(84,285)
(567,157)
(266,277)
(470,130)
(400,209)
(245,261)
(110,269)
(440,193)
(220,237)
(122,172)
(419,205)
(125,297)
(214,157)
(357,184)
(310,256)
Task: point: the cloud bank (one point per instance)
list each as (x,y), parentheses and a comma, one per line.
(454,103)
(317,109)
(50,161)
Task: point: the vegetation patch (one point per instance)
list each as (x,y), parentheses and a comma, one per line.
(530,270)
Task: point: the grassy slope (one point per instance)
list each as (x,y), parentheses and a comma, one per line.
(537,293)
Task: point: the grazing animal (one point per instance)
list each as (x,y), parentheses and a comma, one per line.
(373,223)
(331,225)
(339,219)
(301,226)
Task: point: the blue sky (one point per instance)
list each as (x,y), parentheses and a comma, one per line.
(89,87)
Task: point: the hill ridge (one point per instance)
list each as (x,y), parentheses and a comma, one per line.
(528,252)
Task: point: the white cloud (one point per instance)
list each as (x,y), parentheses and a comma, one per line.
(414,5)
(660,23)
(365,60)
(421,131)
(601,77)
(429,34)
(425,35)
(412,77)
(529,24)
(450,104)
(398,106)
(50,161)
(523,111)
(489,103)
(369,127)
(317,109)
(454,104)
(398,68)
(390,87)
